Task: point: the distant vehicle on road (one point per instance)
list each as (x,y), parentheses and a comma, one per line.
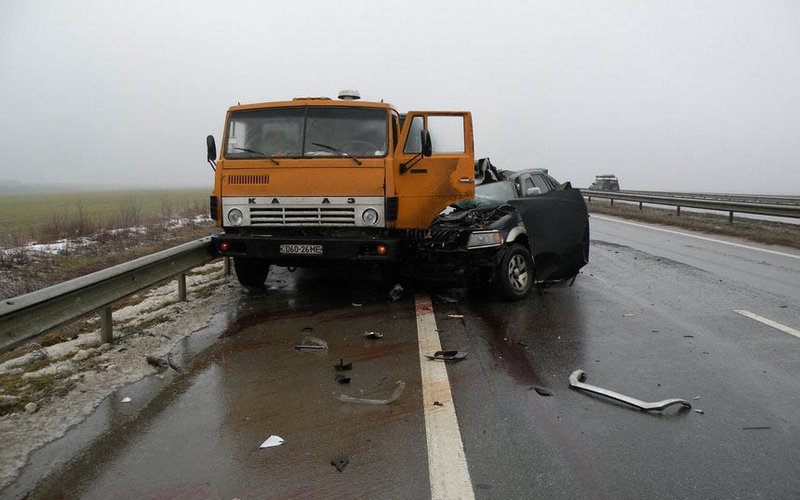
(605,183)
(520,228)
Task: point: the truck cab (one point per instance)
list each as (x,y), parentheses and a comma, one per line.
(316,181)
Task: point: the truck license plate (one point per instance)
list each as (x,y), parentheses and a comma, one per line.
(301,249)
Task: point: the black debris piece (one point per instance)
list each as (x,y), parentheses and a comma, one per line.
(451,356)
(756,428)
(373,335)
(341,366)
(307,330)
(342,379)
(155,361)
(437,403)
(688,336)
(523,344)
(540,390)
(340,463)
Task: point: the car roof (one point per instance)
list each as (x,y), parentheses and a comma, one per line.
(513,174)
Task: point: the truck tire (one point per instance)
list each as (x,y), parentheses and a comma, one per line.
(250,272)
(514,276)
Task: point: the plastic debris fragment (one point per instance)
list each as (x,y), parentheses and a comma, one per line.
(577,381)
(540,390)
(340,463)
(437,403)
(629,315)
(373,335)
(451,356)
(341,365)
(357,304)
(342,379)
(396,292)
(455,316)
(307,330)
(272,441)
(398,390)
(126,400)
(312,344)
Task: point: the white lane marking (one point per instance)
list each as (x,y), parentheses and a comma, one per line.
(783,254)
(769,322)
(447,463)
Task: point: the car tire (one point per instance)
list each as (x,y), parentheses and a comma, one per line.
(514,277)
(250,272)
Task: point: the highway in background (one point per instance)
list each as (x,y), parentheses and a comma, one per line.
(654,315)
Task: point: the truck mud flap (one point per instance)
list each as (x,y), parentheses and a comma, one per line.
(557,224)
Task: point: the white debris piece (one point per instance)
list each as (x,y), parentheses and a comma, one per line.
(272,441)
(126,400)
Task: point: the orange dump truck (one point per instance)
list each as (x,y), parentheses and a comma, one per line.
(315,181)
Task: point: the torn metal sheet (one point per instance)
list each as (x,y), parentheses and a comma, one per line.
(452,356)
(577,381)
(398,390)
(312,344)
(272,441)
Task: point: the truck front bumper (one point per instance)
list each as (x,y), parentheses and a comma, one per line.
(305,251)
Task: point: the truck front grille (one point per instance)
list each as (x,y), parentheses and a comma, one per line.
(302,216)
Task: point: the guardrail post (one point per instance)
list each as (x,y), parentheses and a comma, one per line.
(679,210)
(182,287)
(640,205)
(106,325)
(730,217)
(612,202)
(227,266)
(590,198)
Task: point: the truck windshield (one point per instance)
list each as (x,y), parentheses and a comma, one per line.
(298,132)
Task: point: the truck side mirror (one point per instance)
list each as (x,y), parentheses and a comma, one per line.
(425,139)
(212,148)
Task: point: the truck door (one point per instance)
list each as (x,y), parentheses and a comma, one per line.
(424,186)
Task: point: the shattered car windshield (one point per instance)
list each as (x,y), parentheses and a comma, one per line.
(296,132)
(493,193)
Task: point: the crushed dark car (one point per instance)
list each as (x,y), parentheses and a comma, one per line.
(522,228)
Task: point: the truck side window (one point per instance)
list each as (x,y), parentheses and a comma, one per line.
(413,142)
(447,134)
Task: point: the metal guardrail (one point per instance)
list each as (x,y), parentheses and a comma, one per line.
(747,198)
(749,204)
(29,315)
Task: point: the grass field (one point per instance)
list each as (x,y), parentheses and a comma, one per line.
(28,217)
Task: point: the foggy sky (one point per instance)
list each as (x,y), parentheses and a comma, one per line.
(673,95)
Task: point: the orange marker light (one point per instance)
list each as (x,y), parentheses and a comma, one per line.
(381,249)
(223,247)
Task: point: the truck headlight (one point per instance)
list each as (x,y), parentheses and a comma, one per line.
(370,216)
(482,239)
(235,217)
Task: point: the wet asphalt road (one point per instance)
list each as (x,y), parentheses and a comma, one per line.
(652,316)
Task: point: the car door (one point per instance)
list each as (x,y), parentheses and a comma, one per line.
(424,186)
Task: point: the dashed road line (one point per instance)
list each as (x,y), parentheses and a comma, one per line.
(447,463)
(769,322)
(704,238)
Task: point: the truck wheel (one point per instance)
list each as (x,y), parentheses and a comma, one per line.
(514,277)
(250,272)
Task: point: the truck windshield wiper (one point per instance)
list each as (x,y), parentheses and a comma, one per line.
(273,160)
(337,150)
